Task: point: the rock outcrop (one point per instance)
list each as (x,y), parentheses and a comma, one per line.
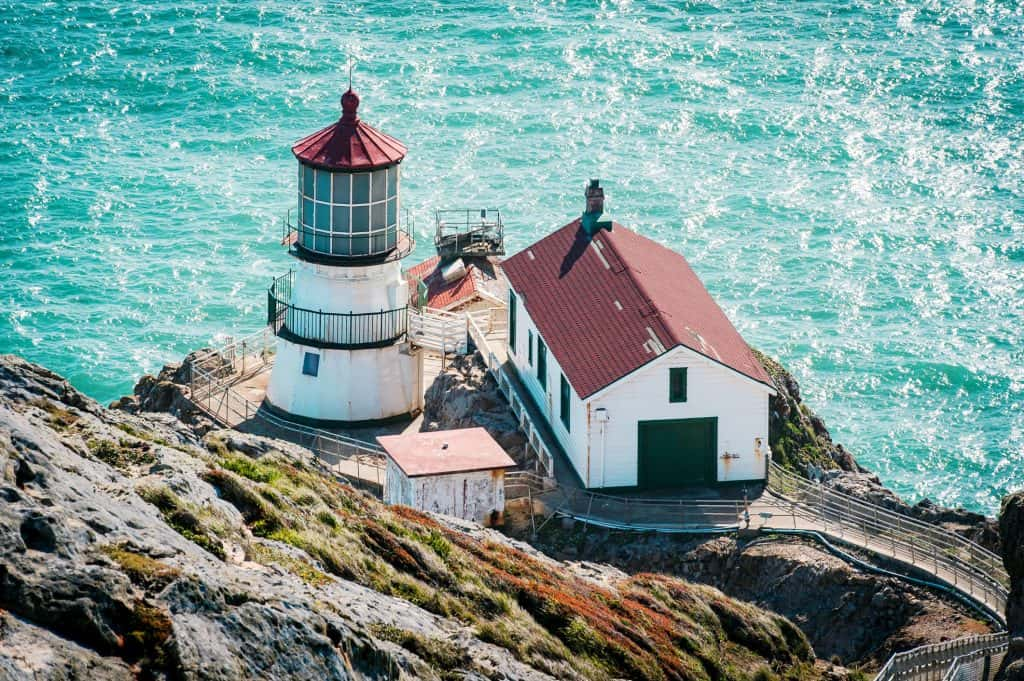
(168,391)
(1011,530)
(133,549)
(858,618)
(465,396)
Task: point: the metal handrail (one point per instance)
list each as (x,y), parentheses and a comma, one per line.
(962,564)
(923,660)
(332,330)
(459,232)
(545,461)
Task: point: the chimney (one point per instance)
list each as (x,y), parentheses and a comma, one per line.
(594,194)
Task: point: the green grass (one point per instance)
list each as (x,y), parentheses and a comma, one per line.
(644,627)
(122,454)
(143,571)
(183,519)
(248,468)
(59,418)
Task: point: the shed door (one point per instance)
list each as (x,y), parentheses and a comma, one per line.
(677,452)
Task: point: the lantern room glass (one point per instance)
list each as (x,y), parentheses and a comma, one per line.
(348,214)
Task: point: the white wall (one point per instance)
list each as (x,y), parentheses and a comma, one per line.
(470,496)
(739,403)
(369,288)
(351,385)
(573,441)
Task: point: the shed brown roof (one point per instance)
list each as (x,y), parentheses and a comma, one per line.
(608,304)
(443,452)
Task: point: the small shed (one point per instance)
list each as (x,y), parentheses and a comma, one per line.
(459,473)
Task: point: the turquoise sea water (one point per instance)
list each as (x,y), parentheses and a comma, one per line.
(848,179)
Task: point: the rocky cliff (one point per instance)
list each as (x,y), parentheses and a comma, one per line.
(1011,530)
(135,548)
(857,618)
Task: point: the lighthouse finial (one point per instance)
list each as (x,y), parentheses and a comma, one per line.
(349,100)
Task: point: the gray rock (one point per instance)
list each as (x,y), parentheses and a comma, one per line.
(466,396)
(1011,530)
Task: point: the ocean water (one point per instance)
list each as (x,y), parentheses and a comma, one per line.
(847,178)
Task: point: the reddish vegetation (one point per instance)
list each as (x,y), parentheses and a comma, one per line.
(643,627)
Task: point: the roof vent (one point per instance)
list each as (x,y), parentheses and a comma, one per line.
(594,194)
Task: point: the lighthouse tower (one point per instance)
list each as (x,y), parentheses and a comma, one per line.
(341,315)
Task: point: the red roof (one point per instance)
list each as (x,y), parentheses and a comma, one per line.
(442,452)
(440,293)
(349,144)
(478,282)
(609,304)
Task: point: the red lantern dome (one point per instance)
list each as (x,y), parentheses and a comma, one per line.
(349,144)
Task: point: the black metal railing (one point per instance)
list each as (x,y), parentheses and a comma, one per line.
(333,330)
(461,233)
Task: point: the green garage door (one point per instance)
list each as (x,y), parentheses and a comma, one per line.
(677,452)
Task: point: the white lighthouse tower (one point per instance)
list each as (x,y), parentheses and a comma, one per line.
(341,316)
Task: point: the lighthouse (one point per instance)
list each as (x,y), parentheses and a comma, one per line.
(341,315)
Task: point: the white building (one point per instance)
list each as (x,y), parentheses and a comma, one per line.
(341,316)
(459,473)
(642,378)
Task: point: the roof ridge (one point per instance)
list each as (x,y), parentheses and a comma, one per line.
(640,288)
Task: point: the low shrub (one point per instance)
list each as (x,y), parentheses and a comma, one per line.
(143,571)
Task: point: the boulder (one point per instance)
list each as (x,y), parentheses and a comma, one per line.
(1011,531)
(465,395)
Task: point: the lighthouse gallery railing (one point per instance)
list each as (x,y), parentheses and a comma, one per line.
(332,330)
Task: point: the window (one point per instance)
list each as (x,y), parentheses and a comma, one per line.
(311,364)
(563,402)
(677,385)
(529,347)
(542,363)
(511,320)
(335,206)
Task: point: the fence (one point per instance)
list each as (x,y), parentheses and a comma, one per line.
(667,515)
(343,456)
(211,388)
(542,455)
(438,330)
(339,330)
(972,658)
(211,372)
(966,566)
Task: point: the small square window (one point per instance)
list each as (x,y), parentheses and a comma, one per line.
(677,384)
(311,364)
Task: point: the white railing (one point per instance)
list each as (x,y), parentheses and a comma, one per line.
(438,330)
(534,441)
(493,321)
(947,660)
(341,455)
(955,560)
